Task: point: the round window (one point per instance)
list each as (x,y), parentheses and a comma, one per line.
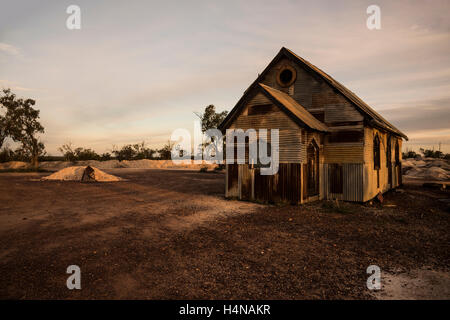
(286,76)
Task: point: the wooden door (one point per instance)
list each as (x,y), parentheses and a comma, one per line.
(389,161)
(312,168)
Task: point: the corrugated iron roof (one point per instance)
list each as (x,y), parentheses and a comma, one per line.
(352,97)
(295,108)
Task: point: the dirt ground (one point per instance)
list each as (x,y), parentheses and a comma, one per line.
(169,234)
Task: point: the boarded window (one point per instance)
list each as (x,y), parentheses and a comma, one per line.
(320,115)
(397,153)
(261,109)
(346,136)
(376,152)
(335,177)
(312,160)
(388,152)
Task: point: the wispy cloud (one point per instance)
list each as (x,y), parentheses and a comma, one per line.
(136,70)
(9,49)
(14,86)
(421,115)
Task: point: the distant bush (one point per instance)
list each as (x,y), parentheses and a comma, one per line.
(105,156)
(409,154)
(434,154)
(7,154)
(428,153)
(204,169)
(77,154)
(86,154)
(51,158)
(165,153)
(136,151)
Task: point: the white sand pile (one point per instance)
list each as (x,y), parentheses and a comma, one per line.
(426,169)
(137,164)
(14,165)
(82,173)
(433,173)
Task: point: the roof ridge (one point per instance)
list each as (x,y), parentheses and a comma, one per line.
(347,93)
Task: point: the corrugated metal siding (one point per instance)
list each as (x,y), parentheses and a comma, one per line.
(352,182)
(285,186)
(370,179)
(289,132)
(343,152)
(312,93)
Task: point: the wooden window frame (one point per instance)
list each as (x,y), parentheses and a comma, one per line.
(294,76)
(376,152)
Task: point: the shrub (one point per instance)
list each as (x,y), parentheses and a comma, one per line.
(105,156)
(6,155)
(409,154)
(431,153)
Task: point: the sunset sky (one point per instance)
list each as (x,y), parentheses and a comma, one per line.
(137,70)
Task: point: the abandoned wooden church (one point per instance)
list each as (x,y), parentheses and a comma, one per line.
(332,145)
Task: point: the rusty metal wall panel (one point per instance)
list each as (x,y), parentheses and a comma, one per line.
(335,178)
(289,182)
(232,180)
(387,179)
(246,182)
(289,132)
(343,152)
(312,93)
(305,181)
(262,187)
(352,182)
(285,186)
(346,136)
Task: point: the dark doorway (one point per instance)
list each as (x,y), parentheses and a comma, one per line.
(388,160)
(312,168)
(398,164)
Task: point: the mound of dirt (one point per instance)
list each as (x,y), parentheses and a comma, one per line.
(426,169)
(14,165)
(432,173)
(82,173)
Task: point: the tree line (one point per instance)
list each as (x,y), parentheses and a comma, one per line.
(427,153)
(136,151)
(19,121)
